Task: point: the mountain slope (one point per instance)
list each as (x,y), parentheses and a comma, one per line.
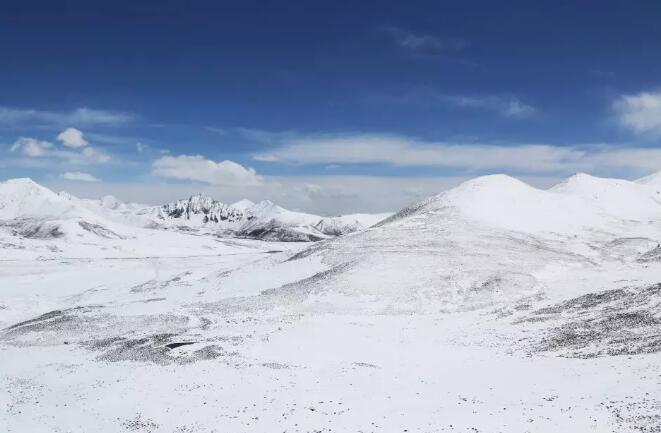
(653,180)
(489,241)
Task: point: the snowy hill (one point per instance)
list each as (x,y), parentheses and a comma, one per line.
(35,212)
(21,197)
(619,198)
(580,203)
(487,241)
(113,209)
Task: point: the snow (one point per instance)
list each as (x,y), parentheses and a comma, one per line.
(23,196)
(37,223)
(620,198)
(494,306)
(580,203)
(506,202)
(243,204)
(245,219)
(653,180)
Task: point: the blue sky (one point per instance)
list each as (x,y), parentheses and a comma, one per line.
(325,106)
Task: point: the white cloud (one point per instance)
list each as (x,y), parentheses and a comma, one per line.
(90,116)
(31,147)
(631,159)
(506,105)
(400,151)
(79,116)
(198,168)
(140,147)
(96,155)
(640,113)
(72,137)
(468,158)
(45,150)
(79,176)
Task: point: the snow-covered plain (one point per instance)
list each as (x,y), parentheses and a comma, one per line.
(493,307)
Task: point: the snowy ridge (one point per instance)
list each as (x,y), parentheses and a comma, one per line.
(619,198)
(579,203)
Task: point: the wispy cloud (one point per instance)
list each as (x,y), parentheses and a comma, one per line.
(505,105)
(402,151)
(81,116)
(79,176)
(31,147)
(198,168)
(423,44)
(640,113)
(114,140)
(468,158)
(96,155)
(217,131)
(263,136)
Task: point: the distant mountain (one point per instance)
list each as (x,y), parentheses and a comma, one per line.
(264,220)
(243,219)
(31,211)
(37,212)
(35,222)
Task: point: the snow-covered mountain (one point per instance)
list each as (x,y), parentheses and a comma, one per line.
(113,209)
(489,240)
(264,220)
(52,223)
(34,212)
(36,222)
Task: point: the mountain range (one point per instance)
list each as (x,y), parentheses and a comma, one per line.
(31,212)
(493,306)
